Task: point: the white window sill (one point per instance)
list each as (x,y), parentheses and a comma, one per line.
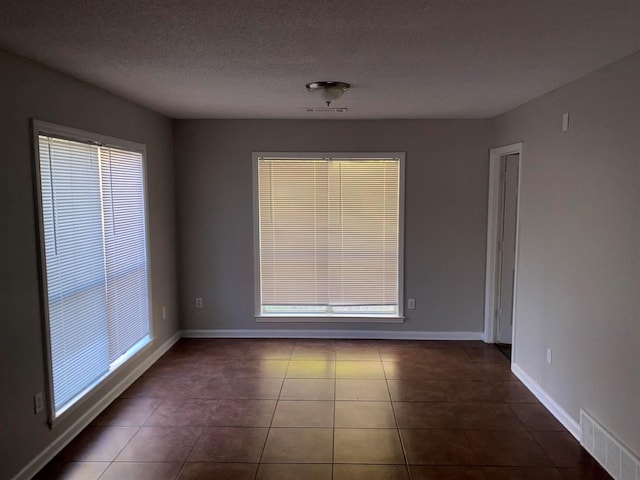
(329,319)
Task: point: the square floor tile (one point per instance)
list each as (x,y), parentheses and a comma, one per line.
(360,414)
(416,391)
(425,415)
(457,371)
(437,447)
(245,388)
(407,370)
(218,471)
(353,389)
(313,351)
(370,472)
(97,444)
(522,473)
(303,413)
(491,416)
(409,353)
(142,471)
(298,445)
(72,471)
(595,472)
(294,471)
(127,412)
(351,351)
(447,473)
(188,412)
(496,372)
(563,449)
(261,368)
(488,354)
(470,391)
(536,417)
(242,413)
(515,448)
(328,343)
(229,444)
(277,349)
(447,355)
(367,446)
(308,389)
(160,444)
(169,387)
(358,355)
(359,369)
(512,392)
(311,369)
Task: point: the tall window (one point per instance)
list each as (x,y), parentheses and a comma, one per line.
(329,235)
(95,268)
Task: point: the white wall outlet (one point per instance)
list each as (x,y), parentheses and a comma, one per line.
(198,302)
(548,355)
(565,121)
(164,313)
(38,403)
(411,303)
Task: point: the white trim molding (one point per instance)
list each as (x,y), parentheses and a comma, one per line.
(346,334)
(493,215)
(556,410)
(35,465)
(327,319)
(328,316)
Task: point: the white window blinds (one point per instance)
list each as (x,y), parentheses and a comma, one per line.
(329,236)
(95,259)
(125,249)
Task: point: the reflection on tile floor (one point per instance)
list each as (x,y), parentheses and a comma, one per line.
(325,410)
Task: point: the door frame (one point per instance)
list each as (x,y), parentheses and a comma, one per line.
(493,230)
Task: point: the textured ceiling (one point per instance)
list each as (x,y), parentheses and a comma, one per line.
(251,59)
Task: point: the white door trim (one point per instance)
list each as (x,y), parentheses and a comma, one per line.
(493,206)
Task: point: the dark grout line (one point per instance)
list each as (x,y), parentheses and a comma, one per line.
(333,433)
(273,414)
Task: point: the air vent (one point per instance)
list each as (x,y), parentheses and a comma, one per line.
(326,110)
(607,450)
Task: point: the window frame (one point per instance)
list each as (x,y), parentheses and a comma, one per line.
(39,127)
(314,317)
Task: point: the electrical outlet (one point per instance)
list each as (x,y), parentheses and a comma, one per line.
(38,403)
(548,355)
(164,313)
(198,302)
(411,303)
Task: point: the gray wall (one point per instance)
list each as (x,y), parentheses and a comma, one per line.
(446,191)
(578,288)
(26,91)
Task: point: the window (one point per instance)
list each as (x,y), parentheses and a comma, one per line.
(329,235)
(94,257)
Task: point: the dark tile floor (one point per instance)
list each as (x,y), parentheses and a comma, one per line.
(322,410)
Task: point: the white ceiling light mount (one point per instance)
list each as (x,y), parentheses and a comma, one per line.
(328,91)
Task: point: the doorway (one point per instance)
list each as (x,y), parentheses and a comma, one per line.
(502,226)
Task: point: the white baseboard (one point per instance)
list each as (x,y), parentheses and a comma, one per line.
(70,433)
(556,410)
(346,334)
